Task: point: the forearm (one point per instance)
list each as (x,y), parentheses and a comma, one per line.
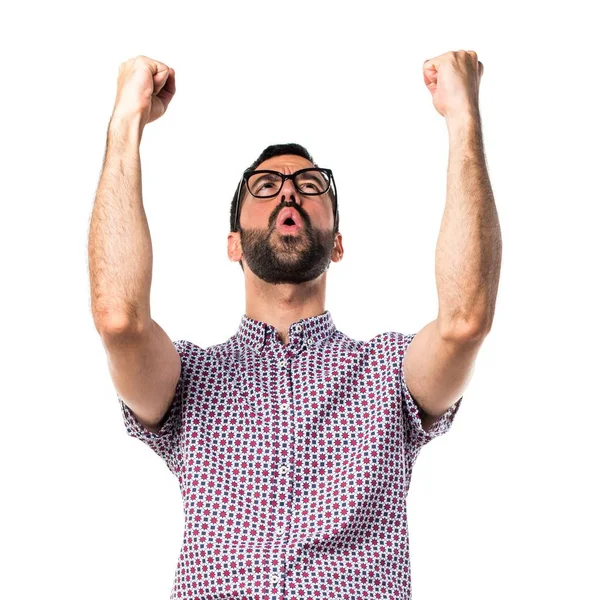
(119,247)
(469,249)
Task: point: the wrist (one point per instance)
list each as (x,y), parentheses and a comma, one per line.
(469,115)
(463,127)
(126,127)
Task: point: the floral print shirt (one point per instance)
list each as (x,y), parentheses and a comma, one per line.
(294,462)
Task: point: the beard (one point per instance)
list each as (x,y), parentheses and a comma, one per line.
(276,257)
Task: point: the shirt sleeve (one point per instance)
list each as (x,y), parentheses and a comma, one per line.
(415,437)
(167,441)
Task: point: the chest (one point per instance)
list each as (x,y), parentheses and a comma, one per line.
(325,419)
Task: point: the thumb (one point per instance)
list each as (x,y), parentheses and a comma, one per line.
(160,78)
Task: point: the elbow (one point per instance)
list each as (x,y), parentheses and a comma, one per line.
(467,331)
(115,325)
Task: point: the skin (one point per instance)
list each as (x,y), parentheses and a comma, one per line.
(285,275)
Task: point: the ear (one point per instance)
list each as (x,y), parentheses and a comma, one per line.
(338,248)
(234,246)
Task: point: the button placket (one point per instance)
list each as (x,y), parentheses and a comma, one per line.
(280,530)
(284,361)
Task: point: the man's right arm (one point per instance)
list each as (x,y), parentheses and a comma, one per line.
(143,362)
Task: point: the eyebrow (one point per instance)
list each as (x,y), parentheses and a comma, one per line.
(312,176)
(265,175)
(307,174)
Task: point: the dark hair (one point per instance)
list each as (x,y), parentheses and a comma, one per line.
(278,150)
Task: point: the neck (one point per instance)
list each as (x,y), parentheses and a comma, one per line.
(283,304)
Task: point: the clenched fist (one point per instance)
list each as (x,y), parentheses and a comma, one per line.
(145,87)
(453,79)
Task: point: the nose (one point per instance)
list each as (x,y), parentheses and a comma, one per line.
(288,192)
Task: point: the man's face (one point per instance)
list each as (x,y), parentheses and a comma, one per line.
(279,255)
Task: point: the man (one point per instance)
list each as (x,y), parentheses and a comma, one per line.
(293,444)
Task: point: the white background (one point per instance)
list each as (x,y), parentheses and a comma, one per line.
(505,504)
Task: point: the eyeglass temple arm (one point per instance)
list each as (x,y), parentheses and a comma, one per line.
(237,204)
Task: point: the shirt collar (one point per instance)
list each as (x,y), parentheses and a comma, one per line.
(310,330)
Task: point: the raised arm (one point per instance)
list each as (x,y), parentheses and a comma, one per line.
(143,362)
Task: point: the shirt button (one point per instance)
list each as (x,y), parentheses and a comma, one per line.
(310,341)
(283,469)
(279,530)
(283,406)
(274,578)
(297,328)
(282,363)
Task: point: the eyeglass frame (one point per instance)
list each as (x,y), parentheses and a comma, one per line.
(292,176)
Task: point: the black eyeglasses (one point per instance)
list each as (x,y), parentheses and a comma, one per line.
(265,183)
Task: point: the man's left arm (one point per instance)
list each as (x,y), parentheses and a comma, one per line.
(439,361)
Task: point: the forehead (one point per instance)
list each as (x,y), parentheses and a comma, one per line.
(286,163)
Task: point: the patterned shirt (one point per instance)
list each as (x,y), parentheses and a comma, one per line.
(294,462)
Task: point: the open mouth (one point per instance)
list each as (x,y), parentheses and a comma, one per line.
(289,225)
